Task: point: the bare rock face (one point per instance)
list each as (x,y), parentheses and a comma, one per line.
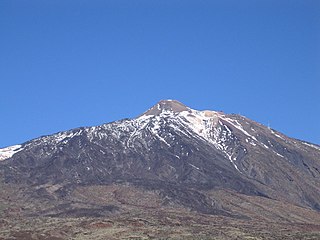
(173,106)
(179,153)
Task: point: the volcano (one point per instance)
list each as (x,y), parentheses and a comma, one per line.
(171,158)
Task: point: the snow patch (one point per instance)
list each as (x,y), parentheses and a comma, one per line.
(237,125)
(200,122)
(8,152)
(278,154)
(277,135)
(194,166)
(311,145)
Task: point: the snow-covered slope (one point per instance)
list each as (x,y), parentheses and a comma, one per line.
(8,152)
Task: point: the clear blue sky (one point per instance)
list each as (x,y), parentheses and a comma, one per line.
(66,64)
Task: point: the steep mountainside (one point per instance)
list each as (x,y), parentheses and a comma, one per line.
(184,158)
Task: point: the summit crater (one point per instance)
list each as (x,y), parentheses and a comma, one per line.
(167,106)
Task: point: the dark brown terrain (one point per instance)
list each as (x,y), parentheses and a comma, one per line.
(171,173)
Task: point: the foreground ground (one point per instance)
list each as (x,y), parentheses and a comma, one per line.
(155,225)
(124,212)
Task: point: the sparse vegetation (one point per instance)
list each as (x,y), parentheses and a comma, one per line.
(32,218)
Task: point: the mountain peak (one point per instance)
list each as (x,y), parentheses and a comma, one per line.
(167,105)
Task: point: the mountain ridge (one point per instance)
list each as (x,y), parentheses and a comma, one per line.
(171,158)
(227,137)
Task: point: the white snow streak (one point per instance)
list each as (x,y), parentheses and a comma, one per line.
(237,125)
(277,135)
(311,145)
(194,166)
(8,152)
